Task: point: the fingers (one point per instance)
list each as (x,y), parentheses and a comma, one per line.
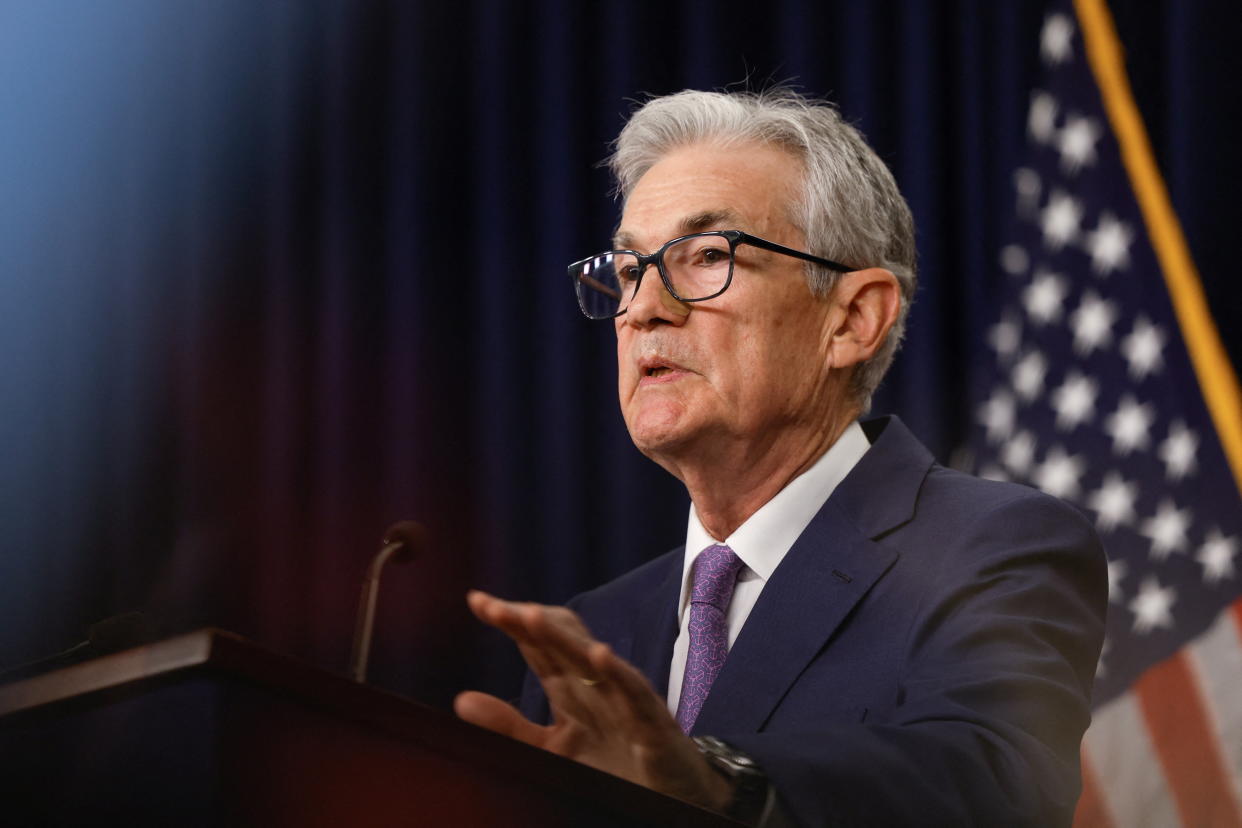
(524,619)
(492,713)
(605,713)
(632,695)
(584,680)
(554,640)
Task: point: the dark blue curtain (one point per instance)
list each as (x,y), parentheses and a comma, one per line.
(275,275)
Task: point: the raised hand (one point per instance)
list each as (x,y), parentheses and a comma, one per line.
(604,712)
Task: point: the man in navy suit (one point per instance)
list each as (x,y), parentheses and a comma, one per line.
(852,634)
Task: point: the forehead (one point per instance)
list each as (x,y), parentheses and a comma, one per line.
(748,186)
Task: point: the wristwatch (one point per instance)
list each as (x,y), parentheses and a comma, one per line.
(752,794)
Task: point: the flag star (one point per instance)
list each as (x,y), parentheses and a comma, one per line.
(1059,220)
(1028,375)
(1044,296)
(1142,348)
(1055,39)
(1028,186)
(1059,474)
(1129,425)
(1117,570)
(1109,244)
(1005,337)
(1216,556)
(1018,453)
(1113,503)
(1153,606)
(1178,451)
(1074,400)
(1076,143)
(997,415)
(1092,322)
(1166,530)
(1041,120)
(1013,259)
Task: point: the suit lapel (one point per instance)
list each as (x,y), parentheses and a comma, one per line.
(829,569)
(655,628)
(826,573)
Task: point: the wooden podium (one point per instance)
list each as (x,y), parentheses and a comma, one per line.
(208,729)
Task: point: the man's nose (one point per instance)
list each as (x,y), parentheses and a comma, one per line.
(653,304)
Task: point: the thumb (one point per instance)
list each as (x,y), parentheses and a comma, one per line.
(499,716)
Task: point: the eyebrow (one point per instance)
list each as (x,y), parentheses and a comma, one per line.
(694,223)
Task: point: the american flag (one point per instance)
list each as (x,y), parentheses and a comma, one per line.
(1105,384)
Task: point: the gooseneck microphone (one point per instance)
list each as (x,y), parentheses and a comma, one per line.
(402,542)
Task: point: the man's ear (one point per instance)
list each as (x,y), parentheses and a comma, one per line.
(865,306)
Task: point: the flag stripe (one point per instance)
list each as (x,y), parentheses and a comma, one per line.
(1211,364)
(1217,661)
(1091,811)
(1181,734)
(1133,790)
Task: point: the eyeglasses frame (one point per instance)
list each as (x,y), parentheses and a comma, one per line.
(734,237)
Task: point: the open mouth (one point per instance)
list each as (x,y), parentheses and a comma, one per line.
(655,367)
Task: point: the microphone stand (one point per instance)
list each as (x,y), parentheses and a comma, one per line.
(400,543)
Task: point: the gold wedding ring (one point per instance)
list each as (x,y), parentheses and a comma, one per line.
(589,682)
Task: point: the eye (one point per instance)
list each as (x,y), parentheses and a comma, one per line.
(711,256)
(626,267)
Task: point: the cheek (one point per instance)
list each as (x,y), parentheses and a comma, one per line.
(625,368)
(779,369)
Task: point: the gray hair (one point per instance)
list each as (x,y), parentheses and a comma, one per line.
(850,209)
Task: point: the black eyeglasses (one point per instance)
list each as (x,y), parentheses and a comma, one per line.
(694,268)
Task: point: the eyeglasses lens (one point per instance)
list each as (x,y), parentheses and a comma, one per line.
(697,267)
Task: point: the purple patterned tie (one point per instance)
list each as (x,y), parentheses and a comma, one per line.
(715,574)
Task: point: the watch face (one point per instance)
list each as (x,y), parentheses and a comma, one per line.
(727,758)
(751,791)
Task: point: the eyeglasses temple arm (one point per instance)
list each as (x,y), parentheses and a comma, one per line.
(755,241)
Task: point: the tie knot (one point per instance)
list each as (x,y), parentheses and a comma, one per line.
(715,574)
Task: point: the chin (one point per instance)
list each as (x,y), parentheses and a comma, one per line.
(664,442)
(649,439)
(653,422)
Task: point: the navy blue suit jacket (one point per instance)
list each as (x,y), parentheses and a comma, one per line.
(923,655)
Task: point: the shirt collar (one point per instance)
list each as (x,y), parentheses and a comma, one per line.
(764,538)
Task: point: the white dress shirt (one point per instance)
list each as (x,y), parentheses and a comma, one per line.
(762,541)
